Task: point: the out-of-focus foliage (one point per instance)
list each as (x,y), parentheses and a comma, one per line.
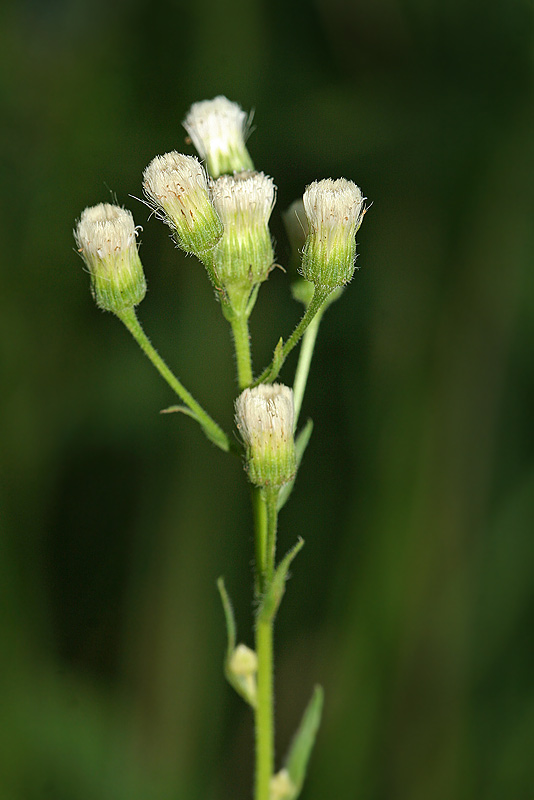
(412,601)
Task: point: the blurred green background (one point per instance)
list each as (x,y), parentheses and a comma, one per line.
(413,600)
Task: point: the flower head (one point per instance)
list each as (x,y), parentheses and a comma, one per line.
(106,239)
(244,201)
(218,128)
(334,210)
(177,187)
(265,417)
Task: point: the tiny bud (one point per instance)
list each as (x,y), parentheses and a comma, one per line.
(244,201)
(264,417)
(243,665)
(244,661)
(177,186)
(106,239)
(217,129)
(281,786)
(334,209)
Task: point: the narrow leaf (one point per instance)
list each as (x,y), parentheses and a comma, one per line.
(180,409)
(302,744)
(229,617)
(239,684)
(301,443)
(278,360)
(275,592)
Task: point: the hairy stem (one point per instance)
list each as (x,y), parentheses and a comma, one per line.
(264,716)
(212,430)
(239,323)
(271,372)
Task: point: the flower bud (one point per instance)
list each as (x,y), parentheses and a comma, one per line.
(244,255)
(177,186)
(243,665)
(334,209)
(217,128)
(264,417)
(106,239)
(281,787)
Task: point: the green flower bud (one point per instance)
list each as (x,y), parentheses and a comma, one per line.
(106,239)
(244,255)
(177,188)
(334,210)
(264,417)
(218,128)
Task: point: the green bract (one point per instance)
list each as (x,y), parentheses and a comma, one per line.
(244,255)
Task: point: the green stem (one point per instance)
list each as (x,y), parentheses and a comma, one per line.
(271,372)
(239,323)
(212,430)
(270,498)
(304,362)
(260,539)
(264,710)
(264,715)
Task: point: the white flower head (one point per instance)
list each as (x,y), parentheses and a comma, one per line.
(218,130)
(106,237)
(177,187)
(244,256)
(244,199)
(334,210)
(265,417)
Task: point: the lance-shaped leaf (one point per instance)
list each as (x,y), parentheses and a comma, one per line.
(273,595)
(296,763)
(301,443)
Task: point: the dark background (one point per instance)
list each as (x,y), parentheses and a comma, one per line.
(412,602)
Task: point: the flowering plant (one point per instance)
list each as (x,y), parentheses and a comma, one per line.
(220,212)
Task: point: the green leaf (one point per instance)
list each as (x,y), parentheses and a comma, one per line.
(300,750)
(229,617)
(180,409)
(301,443)
(278,360)
(239,684)
(273,595)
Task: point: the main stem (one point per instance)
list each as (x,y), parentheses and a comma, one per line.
(264,719)
(215,433)
(265,521)
(239,324)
